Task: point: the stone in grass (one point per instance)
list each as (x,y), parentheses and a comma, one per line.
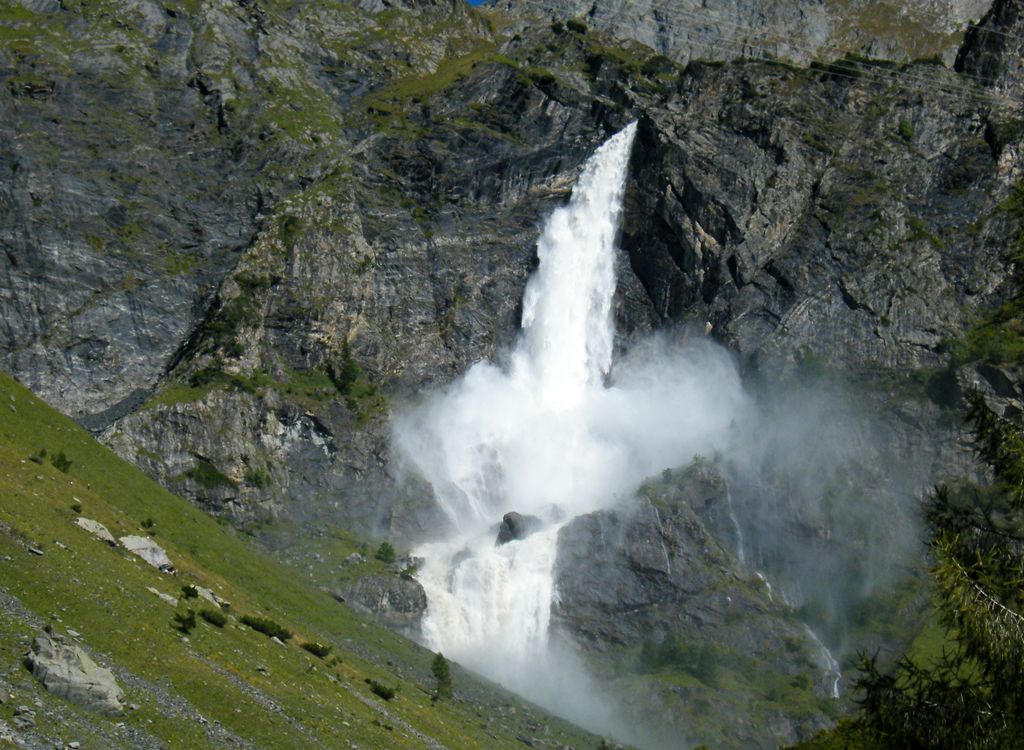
(165,597)
(149,551)
(211,596)
(24,718)
(66,670)
(97,529)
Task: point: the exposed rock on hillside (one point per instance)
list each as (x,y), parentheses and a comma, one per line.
(396,601)
(149,551)
(97,529)
(66,670)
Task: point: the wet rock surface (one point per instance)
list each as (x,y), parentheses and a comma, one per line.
(649,588)
(516,526)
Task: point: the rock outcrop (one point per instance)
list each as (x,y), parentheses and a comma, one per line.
(396,601)
(148,550)
(516,526)
(799,32)
(97,529)
(648,589)
(66,670)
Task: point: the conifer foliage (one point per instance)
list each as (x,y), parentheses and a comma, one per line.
(973,697)
(442,673)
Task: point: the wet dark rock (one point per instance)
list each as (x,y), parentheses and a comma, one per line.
(516,526)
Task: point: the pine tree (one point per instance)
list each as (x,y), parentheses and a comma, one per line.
(973,697)
(443,674)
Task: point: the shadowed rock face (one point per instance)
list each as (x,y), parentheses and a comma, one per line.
(631,582)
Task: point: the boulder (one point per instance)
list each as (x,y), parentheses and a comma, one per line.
(165,597)
(97,529)
(395,601)
(66,670)
(211,596)
(149,551)
(516,526)
(354,559)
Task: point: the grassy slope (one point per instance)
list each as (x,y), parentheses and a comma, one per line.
(100,592)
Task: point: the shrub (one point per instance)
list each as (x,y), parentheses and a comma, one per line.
(385,692)
(318,649)
(215,617)
(208,475)
(37,458)
(385,553)
(184,622)
(700,660)
(189,591)
(443,674)
(259,478)
(60,462)
(149,524)
(576,26)
(267,626)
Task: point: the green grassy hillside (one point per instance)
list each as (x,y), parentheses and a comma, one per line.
(230,686)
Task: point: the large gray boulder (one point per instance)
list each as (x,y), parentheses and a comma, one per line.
(97,529)
(149,551)
(66,670)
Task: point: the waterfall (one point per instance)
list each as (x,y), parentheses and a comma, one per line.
(559,431)
(741,554)
(484,597)
(827,662)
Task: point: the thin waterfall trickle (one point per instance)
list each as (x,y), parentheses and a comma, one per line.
(741,553)
(828,663)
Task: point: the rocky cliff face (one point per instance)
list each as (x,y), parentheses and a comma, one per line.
(798,32)
(649,591)
(383,202)
(237,235)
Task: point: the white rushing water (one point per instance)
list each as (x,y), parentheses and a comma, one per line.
(556,433)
